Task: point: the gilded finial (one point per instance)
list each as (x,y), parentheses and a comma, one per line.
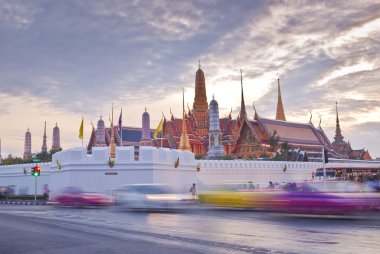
(145,108)
(199,64)
(320,121)
(311,116)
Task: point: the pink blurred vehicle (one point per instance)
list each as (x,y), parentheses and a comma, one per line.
(77,196)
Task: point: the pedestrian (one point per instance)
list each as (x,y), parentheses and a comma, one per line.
(46,192)
(193,191)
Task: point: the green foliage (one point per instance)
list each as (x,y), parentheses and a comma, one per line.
(42,157)
(10,160)
(199,157)
(227,157)
(273,141)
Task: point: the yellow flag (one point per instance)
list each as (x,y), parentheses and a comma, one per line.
(159,128)
(81,130)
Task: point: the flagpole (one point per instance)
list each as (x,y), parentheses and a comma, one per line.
(82,131)
(121,127)
(323,160)
(162,132)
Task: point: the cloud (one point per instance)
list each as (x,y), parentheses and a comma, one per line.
(164,20)
(79,56)
(17,14)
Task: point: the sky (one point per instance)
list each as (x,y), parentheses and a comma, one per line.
(61,60)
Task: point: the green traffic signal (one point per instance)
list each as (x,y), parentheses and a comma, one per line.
(36,171)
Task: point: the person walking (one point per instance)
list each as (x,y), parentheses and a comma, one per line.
(193,191)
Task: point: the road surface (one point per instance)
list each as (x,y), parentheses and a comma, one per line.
(45,229)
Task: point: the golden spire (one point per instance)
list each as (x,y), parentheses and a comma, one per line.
(280,114)
(184,143)
(112,142)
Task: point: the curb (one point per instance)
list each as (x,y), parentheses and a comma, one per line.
(22,203)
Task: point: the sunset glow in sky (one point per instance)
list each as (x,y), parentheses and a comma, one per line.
(60,60)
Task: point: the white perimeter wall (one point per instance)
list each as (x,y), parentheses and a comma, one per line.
(155,165)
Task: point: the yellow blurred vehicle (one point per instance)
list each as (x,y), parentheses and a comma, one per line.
(236,196)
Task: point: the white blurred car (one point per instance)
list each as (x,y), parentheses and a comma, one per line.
(149,196)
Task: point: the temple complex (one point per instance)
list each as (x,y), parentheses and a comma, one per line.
(201,131)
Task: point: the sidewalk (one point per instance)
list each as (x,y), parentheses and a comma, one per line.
(22,202)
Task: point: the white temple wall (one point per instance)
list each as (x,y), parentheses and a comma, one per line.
(155,165)
(24,183)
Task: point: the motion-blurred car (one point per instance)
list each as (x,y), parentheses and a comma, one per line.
(236,196)
(307,199)
(77,196)
(149,196)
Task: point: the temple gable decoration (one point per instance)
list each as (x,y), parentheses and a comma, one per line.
(248,142)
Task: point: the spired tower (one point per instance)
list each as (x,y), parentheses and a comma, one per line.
(27,146)
(44,146)
(145,134)
(56,139)
(280,114)
(215,148)
(338,139)
(100,133)
(243,112)
(200,107)
(184,143)
(145,126)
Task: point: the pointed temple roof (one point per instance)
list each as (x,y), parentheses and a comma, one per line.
(243,112)
(44,145)
(338,133)
(256,116)
(280,114)
(184,143)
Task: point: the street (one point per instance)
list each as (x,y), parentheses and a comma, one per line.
(46,229)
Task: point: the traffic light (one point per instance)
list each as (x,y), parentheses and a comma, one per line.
(36,171)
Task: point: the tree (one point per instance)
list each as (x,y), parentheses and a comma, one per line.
(273,141)
(285,151)
(10,160)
